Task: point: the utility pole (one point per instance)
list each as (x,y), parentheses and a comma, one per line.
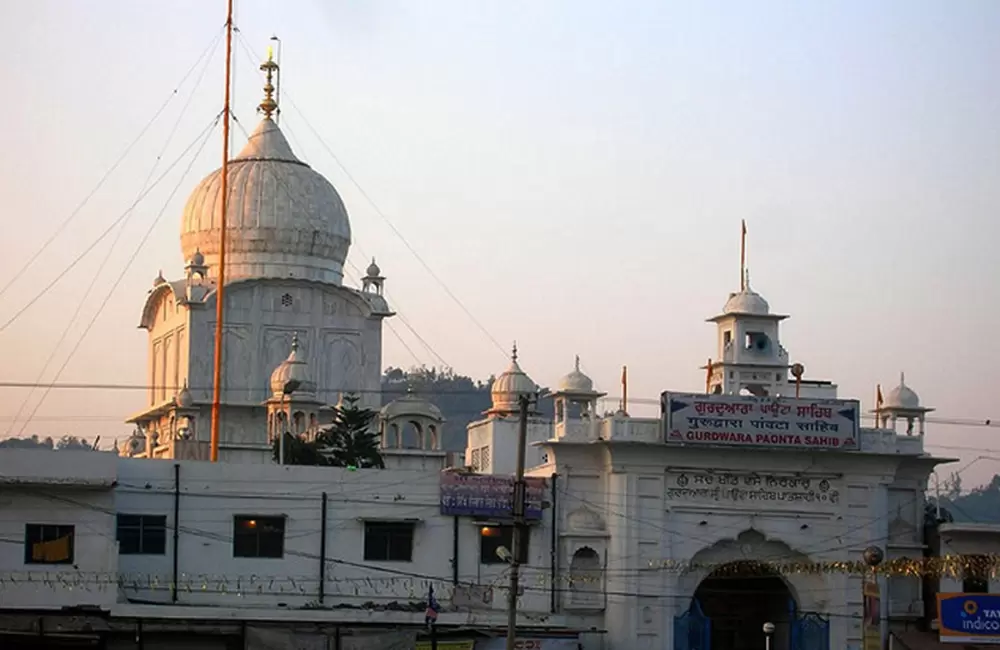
(524,402)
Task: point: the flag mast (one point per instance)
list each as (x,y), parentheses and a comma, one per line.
(221,275)
(743,256)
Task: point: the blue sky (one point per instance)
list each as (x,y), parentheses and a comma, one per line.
(574,171)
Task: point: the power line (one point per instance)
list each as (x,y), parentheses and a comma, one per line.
(381,214)
(292,197)
(280,182)
(121,275)
(76,211)
(97,241)
(97,274)
(342,562)
(971,422)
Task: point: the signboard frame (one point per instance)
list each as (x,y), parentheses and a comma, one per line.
(489,496)
(955,610)
(701,419)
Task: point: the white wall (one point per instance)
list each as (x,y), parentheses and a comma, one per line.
(211,494)
(968,539)
(626,490)
(65,488)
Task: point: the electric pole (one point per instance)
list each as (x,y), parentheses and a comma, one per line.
(517,507)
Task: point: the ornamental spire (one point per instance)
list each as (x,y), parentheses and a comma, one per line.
(269,105)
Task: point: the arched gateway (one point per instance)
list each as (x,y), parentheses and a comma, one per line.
(731,605)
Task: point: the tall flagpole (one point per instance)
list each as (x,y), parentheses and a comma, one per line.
(743,256)
(625,390)
(221,276)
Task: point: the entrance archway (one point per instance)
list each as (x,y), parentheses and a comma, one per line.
(738,598)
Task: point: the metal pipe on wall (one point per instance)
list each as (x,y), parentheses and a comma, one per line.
(554,551)
(322,552)
(177,529)
(454,551)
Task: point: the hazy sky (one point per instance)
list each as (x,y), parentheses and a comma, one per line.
(575,172)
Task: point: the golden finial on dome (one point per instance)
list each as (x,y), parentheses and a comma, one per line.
(269,106)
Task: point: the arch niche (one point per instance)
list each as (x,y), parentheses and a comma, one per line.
(738,598)
(735,590)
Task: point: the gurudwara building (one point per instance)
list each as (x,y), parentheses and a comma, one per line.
(737,506)
(288,313)
(751,503)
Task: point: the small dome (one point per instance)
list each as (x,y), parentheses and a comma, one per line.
(197,259)
(411,405)
(576,381)
(373,270)
(509,386)
(292,371)
(183,397)
(747,302)
(902,396)
(159,279)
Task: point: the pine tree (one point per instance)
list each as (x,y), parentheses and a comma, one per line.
(349,441)
(298,451)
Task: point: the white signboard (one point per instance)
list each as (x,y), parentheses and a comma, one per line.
(776,490)
(747,421)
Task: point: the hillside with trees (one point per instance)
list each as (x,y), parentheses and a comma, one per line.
(978,505)
(34,442)
(461,399)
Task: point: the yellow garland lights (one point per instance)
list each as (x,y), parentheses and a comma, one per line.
(951,566)
(954,566)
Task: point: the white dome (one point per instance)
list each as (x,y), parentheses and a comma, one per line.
(748,302)
(292,369)
(902,396)
(284,218)
(509,386)
(576,381)
(411,405)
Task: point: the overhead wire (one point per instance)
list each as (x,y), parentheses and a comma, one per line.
(380,213)
(367,567)
(121,276)
(99,239)
(107,174)
(280,182)
(207,56)
(292,197)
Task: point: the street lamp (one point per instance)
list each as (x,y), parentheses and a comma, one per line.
(286,393)
(768,633)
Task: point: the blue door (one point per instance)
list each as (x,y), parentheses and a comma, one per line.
(810,631)
(693,630)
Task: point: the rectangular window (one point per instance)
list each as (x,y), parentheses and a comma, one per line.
(388,541)
(142,534)
(256,536)
(493,538)
(48,544)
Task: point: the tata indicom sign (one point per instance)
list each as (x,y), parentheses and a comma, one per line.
(969,618)
(747,421)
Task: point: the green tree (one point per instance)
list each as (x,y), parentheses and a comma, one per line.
(298,451)
(349,441)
